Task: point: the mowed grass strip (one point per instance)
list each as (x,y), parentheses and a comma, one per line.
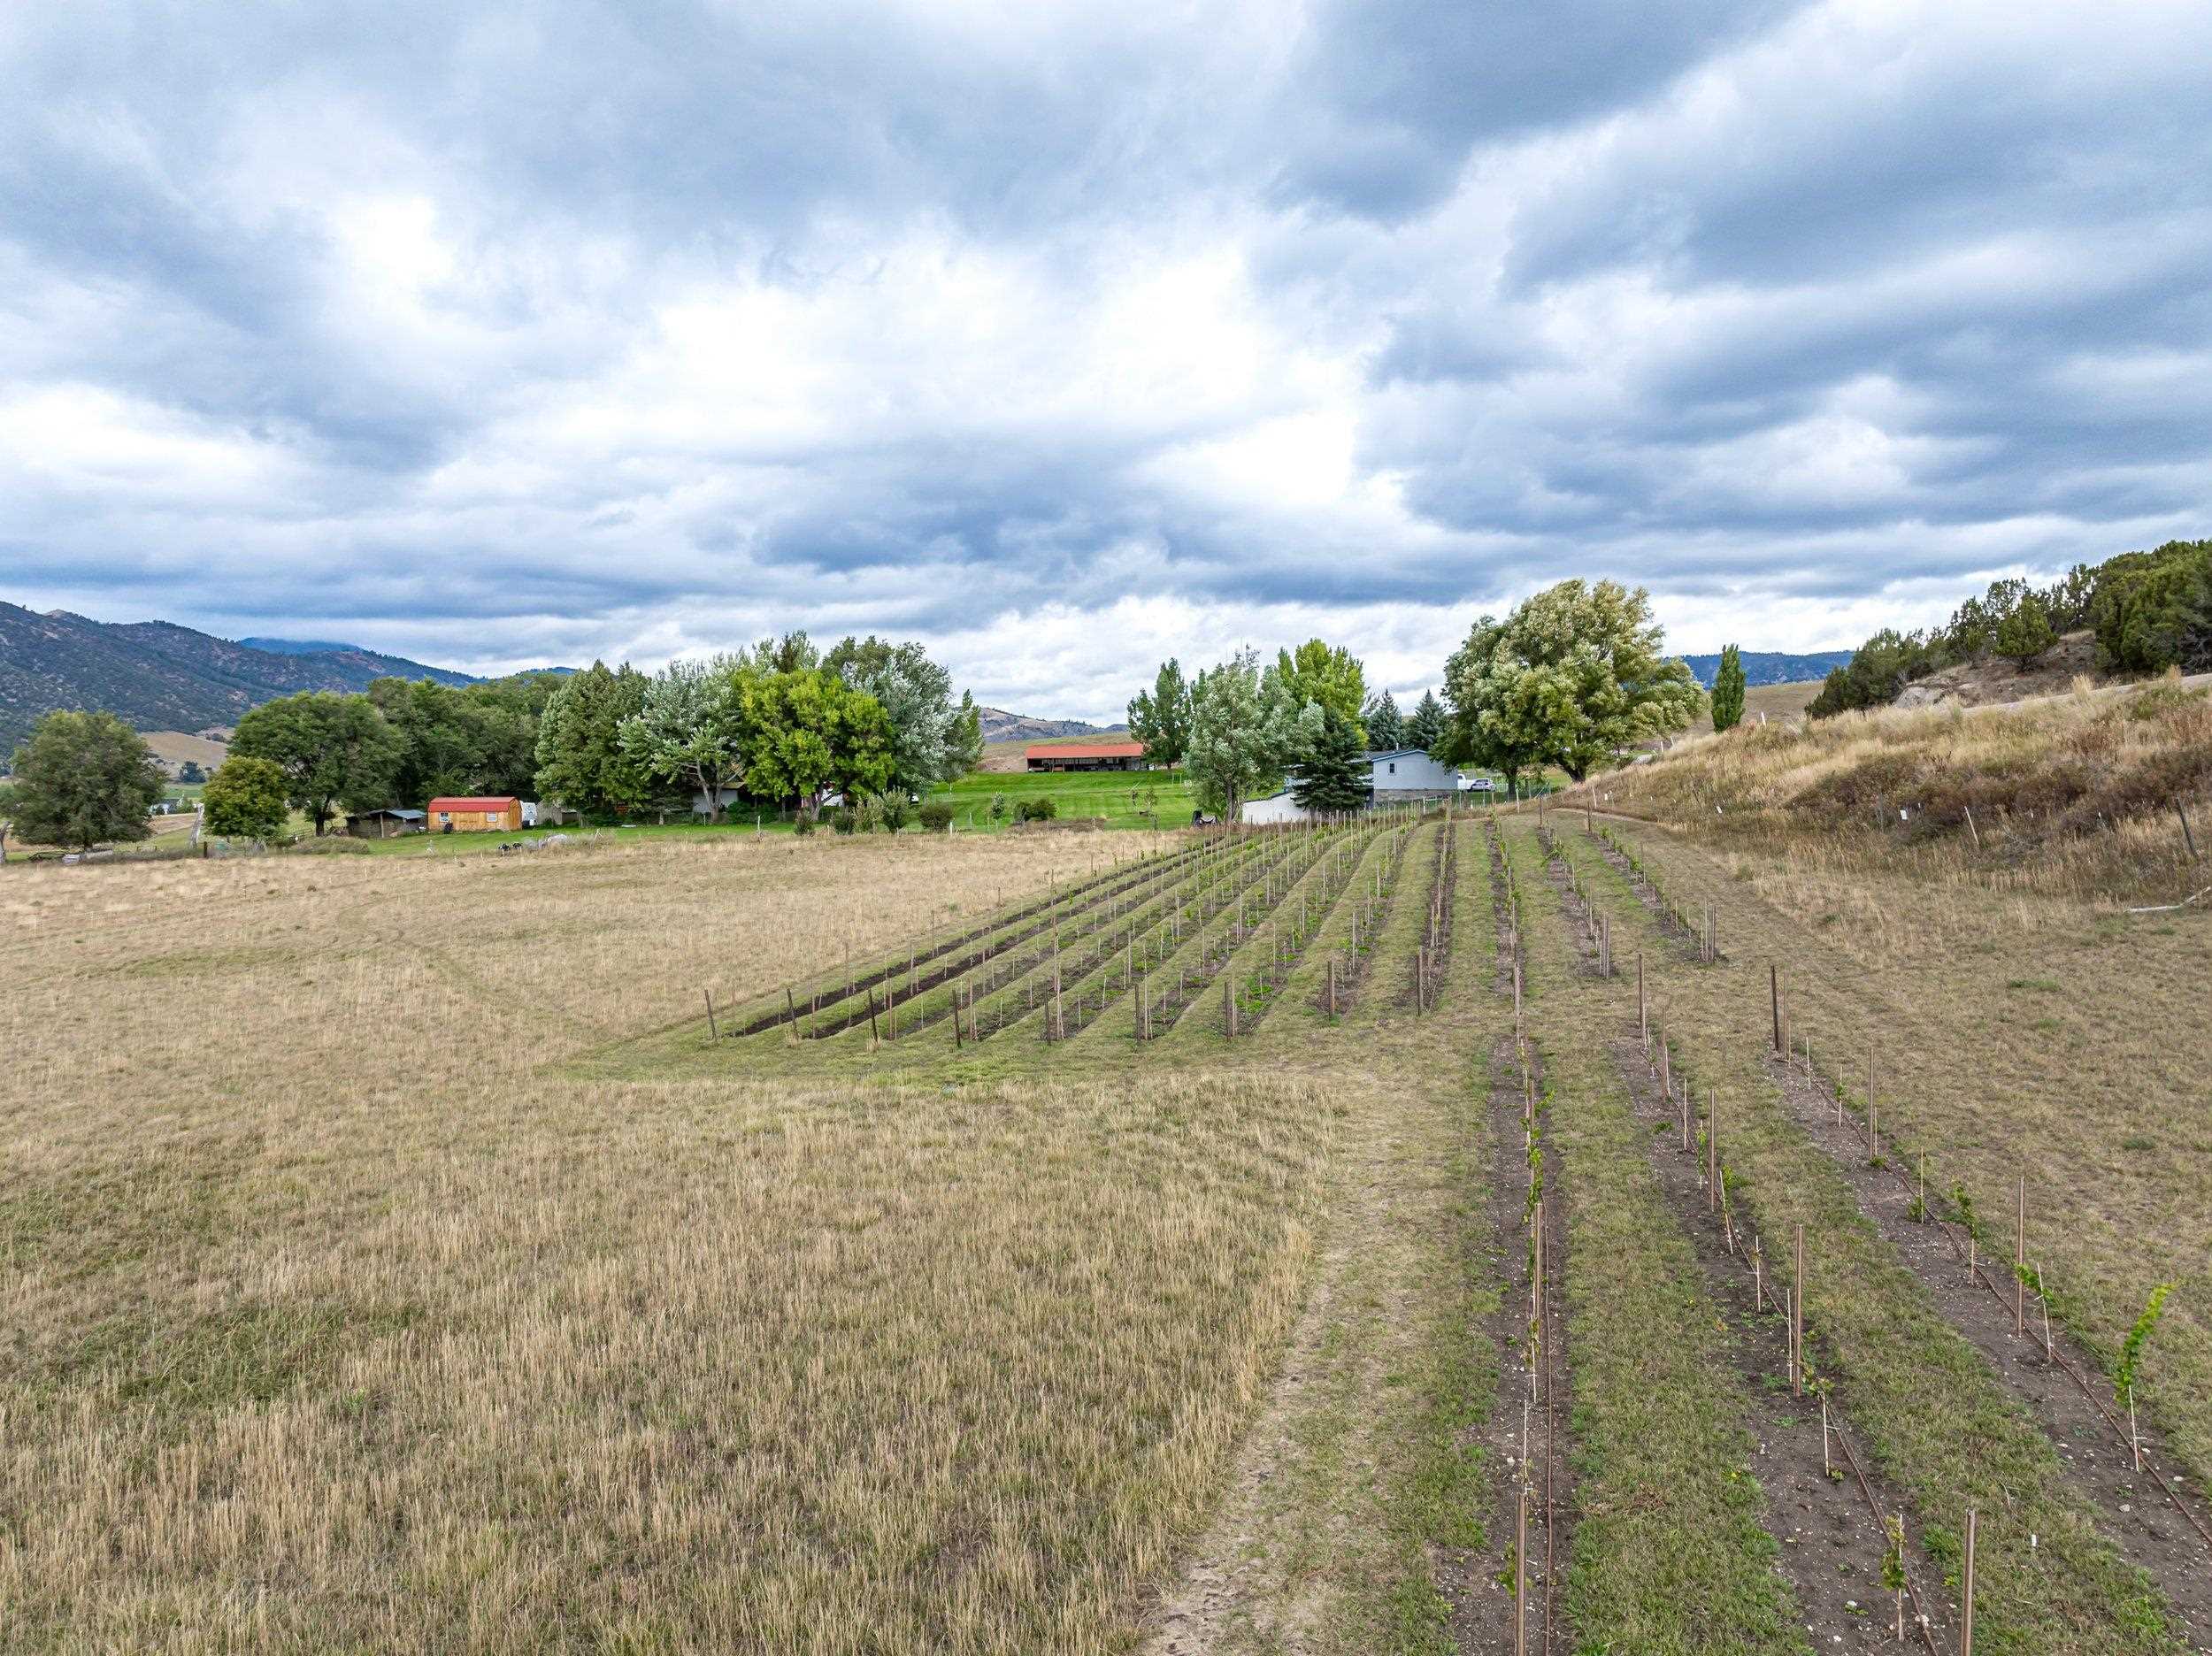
(1942,1424)
(1671,1554)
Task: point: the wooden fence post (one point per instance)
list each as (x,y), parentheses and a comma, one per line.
(1229,1006)
(2188,839)
(713,1031)
(872,1018)
(1774,993)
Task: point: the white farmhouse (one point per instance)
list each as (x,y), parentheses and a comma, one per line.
(1401,774)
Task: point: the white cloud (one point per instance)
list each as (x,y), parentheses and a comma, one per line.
(1068,337)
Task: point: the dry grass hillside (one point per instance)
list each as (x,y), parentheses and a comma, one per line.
(2075,794)
(1777,703)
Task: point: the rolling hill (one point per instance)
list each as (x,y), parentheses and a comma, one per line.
(158,676)
(999,726)
(1770,667)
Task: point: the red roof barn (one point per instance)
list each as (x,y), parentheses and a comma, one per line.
(1114,755)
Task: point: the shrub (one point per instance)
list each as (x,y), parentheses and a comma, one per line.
(998,808)
(895,810)
(844,820)
(803,824)
(936,816)
(1044,807)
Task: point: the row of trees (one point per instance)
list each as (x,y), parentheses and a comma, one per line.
(1573,678)
(402,741)
(781,723)
(2147,611)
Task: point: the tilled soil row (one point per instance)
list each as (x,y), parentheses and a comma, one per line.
(1834,1549)
(1433,952)
(1007,966)
(2156,1530)
(1838,1542)
(1673,923)
(1359,952)
(1075,977)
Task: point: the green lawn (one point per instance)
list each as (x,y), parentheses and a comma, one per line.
(1122,797)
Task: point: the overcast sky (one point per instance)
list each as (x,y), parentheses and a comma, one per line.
(1065,336)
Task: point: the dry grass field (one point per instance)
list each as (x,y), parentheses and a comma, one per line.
(1090,1244)
(1774,704)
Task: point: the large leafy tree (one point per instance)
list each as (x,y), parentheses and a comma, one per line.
(82,779)
(1160,717)
(1570,678)
(334,750)
(1428,725)
(934,740)
(468,739)
(582,760)
(809,733)
(248,798)
(1330,778)
(690,727)
(1244,731)
(1385,726)
(1332,677)
(1728,688)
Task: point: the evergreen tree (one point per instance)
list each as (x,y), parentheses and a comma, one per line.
(1385,726)
(1331,779)
(1426,729)
(84,778)
(581,762)
(1728,689)
(2026,632)
(1160,717)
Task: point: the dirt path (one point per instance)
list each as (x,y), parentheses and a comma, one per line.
(1286,1542)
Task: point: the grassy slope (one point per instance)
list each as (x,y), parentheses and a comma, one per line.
(1093,793)
(1942,1424)
(2016,1035)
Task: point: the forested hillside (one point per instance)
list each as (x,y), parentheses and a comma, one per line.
(157,676)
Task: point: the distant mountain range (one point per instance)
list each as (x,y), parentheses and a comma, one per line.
(1763,667)
(999,725)
(157,676)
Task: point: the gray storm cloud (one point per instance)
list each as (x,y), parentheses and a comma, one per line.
(1062,336)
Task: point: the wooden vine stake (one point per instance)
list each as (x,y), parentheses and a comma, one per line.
(714,1032)
(2020,1265)
(1797,1322)
(1966,1587)
(1643,1007)
(1520,1572)
(1774,995)
(1712,1149)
